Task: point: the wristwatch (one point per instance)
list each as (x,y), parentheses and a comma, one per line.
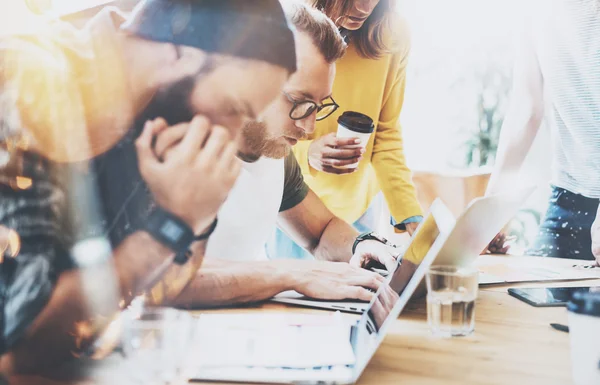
(370,236)
(174,233)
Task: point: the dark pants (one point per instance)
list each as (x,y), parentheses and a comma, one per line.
(565,230)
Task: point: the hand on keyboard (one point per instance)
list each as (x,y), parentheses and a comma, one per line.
(333,280)
(373,254)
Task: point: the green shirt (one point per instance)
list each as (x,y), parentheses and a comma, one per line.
(294,189)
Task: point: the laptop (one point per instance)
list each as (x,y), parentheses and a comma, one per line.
(362,337)
(468,236)
(478,224)
(439,217)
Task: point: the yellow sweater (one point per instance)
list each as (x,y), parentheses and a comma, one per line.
(375,88)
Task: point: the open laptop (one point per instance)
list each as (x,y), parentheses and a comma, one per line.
(438,213)
(468,236)
(478,224)
(363,336)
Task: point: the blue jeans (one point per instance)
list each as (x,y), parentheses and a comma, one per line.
(565,230)
(282,246)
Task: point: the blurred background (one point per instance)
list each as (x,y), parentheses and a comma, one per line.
(458,88)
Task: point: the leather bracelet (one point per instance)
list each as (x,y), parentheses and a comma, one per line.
(182,257)
(205,235)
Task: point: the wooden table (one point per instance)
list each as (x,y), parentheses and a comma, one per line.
(512,344)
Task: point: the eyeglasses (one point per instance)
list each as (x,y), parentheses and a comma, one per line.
(302,109)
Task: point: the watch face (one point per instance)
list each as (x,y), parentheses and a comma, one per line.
(171,230)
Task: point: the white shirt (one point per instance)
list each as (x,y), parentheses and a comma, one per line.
(566,38)
(249,215)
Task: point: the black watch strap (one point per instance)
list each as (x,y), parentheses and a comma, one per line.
(170,231)
(369,236)
(174,233)
(182,257)
(208,232)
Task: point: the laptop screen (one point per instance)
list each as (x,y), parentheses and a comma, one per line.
(389,293)
(393,295)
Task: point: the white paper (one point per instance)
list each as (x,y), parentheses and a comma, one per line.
(272,340)
(505,273)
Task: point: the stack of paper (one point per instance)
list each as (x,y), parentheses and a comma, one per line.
(272,340)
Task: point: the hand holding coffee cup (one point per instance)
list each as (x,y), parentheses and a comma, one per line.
(329,154)
(355,125)
(340,153)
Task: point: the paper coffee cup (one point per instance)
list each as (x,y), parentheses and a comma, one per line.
(355,125)
(584,330)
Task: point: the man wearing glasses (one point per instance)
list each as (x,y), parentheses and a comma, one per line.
(271,191)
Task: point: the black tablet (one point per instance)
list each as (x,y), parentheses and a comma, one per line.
(542,297)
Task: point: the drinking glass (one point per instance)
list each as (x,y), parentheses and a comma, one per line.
(451,294)
(156,343)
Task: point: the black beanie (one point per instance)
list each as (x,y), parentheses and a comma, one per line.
(251,29)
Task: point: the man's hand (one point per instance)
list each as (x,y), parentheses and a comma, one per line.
(596,238)
(333,280)
(329,152)
(371,252)
(193,181)
(499,245)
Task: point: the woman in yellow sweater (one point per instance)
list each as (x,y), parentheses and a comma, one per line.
(370,79)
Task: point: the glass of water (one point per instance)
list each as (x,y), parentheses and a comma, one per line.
(451,294)
(156,343)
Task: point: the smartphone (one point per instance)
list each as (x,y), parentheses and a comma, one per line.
(545,297)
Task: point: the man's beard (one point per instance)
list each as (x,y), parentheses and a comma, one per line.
(256,139)
(172,102)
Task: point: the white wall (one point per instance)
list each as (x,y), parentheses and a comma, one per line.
(14,15)
(452,39)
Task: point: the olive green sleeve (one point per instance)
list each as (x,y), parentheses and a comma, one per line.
(295,189)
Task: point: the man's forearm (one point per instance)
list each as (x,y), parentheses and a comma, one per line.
(314,227)
(508,164)
(84,301)
(223,282)
(336,242)
(516,139)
